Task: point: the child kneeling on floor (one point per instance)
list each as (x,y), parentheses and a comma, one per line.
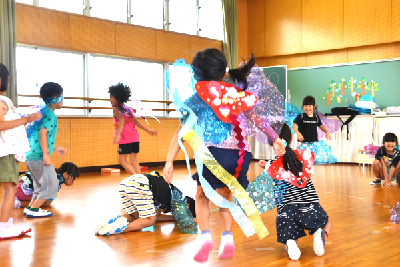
(144,198)
(66,174)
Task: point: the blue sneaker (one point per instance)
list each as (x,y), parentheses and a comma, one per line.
(376,181)
(106,221)
(117,227)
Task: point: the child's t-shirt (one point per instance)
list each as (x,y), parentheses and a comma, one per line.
(308,126)
(390,160)
(49,122)
(129,134)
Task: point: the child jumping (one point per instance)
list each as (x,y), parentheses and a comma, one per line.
(214,105)
(305,126)
(126,135)
(42,137)
(13,145)
(386,164)
(66,174)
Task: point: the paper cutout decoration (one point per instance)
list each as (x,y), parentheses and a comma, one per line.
(351,85)
(225,99)
(362,85)
(333,88)
(373,86)
(342,86)
(357,97)
(328,97)
(338,99)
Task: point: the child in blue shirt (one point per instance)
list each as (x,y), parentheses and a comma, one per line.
(42,136)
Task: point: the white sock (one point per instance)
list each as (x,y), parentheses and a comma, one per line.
(293,250)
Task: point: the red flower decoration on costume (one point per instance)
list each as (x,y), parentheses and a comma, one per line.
(276,170)
(225,99)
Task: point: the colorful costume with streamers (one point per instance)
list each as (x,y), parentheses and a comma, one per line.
(216,116)
(312,142)
(295,198)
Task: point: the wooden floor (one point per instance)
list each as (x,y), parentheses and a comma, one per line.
(362,233)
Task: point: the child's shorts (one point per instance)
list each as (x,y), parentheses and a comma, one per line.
(44,178)
(130,148)
(227,158)
(9,169)
(295,218)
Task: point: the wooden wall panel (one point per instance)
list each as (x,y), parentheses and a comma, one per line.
(322,25)
(134,41)
(197,44)
(171,46)
(282,27)
(373,52)
(256,32)
(42,27)
(292,61)
(91,35)
(242,24)
(397,49)
(366,22)
(395,34)
(91,142)
(327,57)
(148,144)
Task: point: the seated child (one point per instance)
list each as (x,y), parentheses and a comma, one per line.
(144,197)
(386,164)
(66,174)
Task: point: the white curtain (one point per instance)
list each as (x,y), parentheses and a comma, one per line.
(360,135)
(386,125)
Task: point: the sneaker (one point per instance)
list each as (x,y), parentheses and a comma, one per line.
(227,247)
(293,250)
(25,211)
(116,227)
(104,222)
(38,214)
(319,242)
(205,244)
(376,181)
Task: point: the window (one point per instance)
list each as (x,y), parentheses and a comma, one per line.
(36,67)
(211,19)
(115,10)
(149,13)
(29,2)
(183,16)
(144,79)
(71,6)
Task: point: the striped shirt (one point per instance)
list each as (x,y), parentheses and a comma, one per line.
(136,196)
(286,193)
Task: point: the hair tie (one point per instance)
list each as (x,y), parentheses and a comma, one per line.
(284,141)
(227,69)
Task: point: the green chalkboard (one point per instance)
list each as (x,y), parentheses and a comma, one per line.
(316,82)
(277,75)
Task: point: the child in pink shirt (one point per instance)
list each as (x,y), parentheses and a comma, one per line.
(126,134)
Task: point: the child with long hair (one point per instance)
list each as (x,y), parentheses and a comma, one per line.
(126,135)
(305,126)
(13,144)
(216,118)
(386,165)
(292,191)
(66,175)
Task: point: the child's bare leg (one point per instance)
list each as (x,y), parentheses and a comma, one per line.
(7,202)
(225,214)
(134,162)
(24,203)
(202,210)
(163,217)
(227,246)
(377,168)
(37,203)
(47,203)
(328,227)
(204,240)
(125,164)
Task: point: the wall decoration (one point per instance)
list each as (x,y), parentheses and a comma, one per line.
(373,86)
(342,86)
